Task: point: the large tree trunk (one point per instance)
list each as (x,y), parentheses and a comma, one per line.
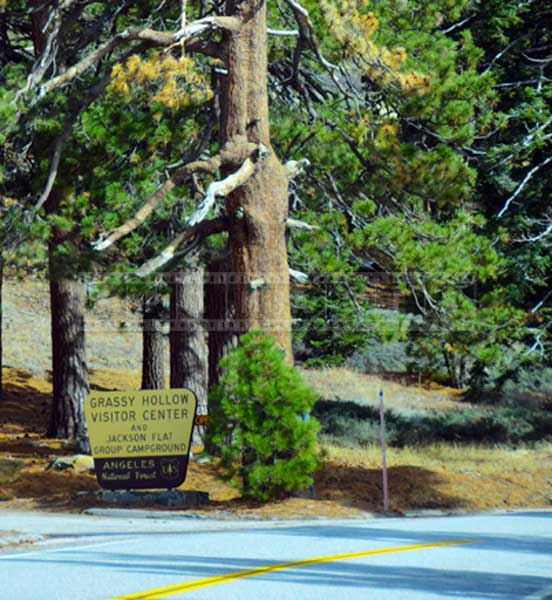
(70,373)
(219,314)
(153,364)
(1,323)
(39,16)
(188,347)
(259,208)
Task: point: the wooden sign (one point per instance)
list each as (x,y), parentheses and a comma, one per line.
(140,439)
(202,420)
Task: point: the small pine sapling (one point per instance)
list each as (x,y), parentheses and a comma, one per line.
(260,427)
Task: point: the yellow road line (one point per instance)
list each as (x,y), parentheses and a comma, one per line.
(227,578)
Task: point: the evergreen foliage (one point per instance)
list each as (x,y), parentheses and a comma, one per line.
(260,421)
(410,174)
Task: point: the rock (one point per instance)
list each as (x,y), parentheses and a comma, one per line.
(81,463)
(14,538)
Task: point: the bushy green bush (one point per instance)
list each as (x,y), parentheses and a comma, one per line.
(386,342)
(260,426)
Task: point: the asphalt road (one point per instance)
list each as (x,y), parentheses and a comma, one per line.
(96,558)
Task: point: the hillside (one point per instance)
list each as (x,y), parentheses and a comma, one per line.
(113,334)
(438,476)
(442,476)
(114,341)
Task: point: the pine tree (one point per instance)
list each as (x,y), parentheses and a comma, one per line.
(260,427)
(514,181)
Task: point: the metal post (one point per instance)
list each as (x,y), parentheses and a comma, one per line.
(306,419)
(384,454)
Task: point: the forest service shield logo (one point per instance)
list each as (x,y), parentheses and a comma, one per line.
(169,468)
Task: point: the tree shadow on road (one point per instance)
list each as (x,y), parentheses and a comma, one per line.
(334,579)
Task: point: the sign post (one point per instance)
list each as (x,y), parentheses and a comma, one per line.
(140,439)
(383,454)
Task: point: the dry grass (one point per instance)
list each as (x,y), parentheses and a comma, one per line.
(349,385)
(9,470)
(114,346)
(349,482)
(454,477)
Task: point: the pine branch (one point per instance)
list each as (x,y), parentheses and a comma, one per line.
(64,136)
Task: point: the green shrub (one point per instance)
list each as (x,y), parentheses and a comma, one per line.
(260,430)
(352,424)
(344,431)
(380,357)
(531,388)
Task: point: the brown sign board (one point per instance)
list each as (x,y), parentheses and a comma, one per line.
(140,439)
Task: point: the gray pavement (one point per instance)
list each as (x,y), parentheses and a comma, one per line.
(89,557)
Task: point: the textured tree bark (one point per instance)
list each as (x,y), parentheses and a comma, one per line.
(1,323)
(219,319)
(39,16)
(153,363)
(219,314)
(70,373)
(188,347)
(257,210)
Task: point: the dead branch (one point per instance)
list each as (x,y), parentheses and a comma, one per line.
(296,167)
(523,183)
(217,189)
(154,200)
(200,231)
(283,32)
(541,236)
(308,35)
(186,36)
(230,154)
(525,142)
(221,189)
(300,225)
(298,276)
(48,54)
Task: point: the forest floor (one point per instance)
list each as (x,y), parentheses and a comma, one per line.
(442,476)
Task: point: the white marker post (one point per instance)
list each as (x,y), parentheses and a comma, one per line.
(384,455)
